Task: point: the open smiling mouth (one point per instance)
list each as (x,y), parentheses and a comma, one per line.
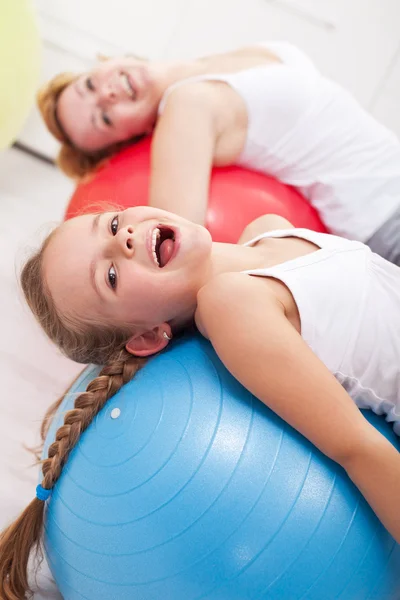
(127,85)
(163,240)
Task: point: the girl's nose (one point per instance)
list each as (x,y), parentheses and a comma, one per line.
(124,241)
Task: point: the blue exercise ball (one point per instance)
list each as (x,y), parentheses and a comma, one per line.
(193,489)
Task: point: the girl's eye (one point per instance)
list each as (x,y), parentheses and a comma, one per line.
(106,119)
(114,226)
(89,84)
(112,277)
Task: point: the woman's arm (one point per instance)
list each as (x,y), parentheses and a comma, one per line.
(251,334)
(183,151)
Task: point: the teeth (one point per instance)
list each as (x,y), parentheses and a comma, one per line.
(155,235)
(127,86)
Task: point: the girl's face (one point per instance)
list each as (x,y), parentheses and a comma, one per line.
(141,267)
(112,103)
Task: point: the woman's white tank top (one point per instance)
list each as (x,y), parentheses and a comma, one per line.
(308,132)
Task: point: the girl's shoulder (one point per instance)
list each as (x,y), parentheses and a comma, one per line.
(222,301)
(263,224)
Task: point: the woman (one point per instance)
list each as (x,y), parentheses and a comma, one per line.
(265,107)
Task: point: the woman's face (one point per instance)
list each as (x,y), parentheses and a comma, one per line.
(112,103)
(141,267)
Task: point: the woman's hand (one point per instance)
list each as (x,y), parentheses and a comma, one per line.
(246,322)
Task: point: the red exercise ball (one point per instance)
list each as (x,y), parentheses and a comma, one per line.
(237,195)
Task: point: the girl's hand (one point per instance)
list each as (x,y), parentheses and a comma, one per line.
(246,322)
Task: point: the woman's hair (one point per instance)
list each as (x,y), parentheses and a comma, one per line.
(84,343)
(73,161)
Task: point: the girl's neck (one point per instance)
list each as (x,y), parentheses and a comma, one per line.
(234,258)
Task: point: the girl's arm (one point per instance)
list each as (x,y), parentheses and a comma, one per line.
(247,325)
(183,149)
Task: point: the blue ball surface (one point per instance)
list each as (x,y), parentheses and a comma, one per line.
(186,487)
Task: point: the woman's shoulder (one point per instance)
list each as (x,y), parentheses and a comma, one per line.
(217,68)
(191,91)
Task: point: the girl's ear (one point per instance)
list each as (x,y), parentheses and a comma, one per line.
(150,342)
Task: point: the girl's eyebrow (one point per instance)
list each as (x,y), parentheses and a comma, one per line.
(92,268)
(95,223)
(93,281)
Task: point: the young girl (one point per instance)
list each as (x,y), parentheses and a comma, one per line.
(115,288)
(265,107)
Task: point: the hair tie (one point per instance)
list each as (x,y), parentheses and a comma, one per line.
(42,494)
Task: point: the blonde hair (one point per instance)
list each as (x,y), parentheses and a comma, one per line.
(73,161)
(84,343)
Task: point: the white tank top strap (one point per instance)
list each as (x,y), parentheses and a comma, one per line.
(322,240)
(288,54)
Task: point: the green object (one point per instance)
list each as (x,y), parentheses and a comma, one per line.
(20,62)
